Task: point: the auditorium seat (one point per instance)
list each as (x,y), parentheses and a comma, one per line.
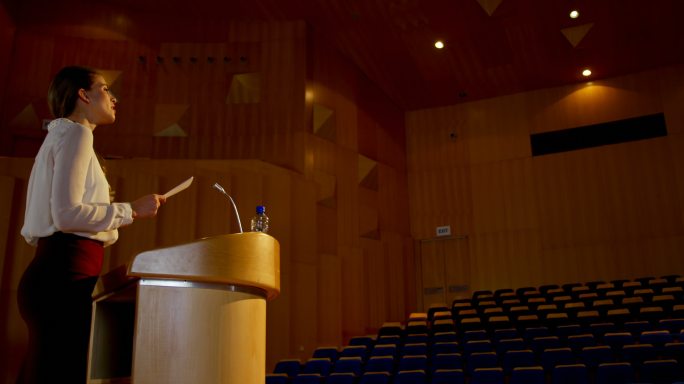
(391,328)
(434,309)
(448,376)
(502,334)
(587,317)
(470,323)
(673,325)
(599,330)
(482,294)
(375,378)
(326,352)
(410,377)
(520,358)
(443,325)
(352,365)
(476,346)
(577,342)
(573,307)
(308,378)
(570,374)
(414,349)
(487,376)
(660,371)
(277,378)
(527,321)
(568,287)
(539,344)
(637,327)
(570,329)
(341,378)
(618,316)
(481,360)
(556,319)
(418,338)
(477,334)
(446,361)
(527,375)
(531,332)
(384,350)
(440,315)
(597,355)
(419,326)
(445,347)
(413,363)
(657,338)
(354,351)
(638,353)
(380,364)
(630,286)
(506,345)
(321,366)
(388,339)
(666,302)
(617,339)
(544,289)
(498,322)
(290,367)
(551,357)
(366,341)
(674,351)
(615,373)
(443,337)
(632,303)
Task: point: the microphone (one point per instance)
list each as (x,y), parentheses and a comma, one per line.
(219,188)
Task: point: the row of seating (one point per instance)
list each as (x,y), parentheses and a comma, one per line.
(656,372)
(613,342)
(657,285)
(614,332)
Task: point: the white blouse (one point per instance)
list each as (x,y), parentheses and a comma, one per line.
(68,190)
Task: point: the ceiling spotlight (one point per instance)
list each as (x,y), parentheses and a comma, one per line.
(439,44)
(574,14)
(586,72)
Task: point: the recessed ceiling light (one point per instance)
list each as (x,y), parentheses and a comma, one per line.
(586,72)
(439,44)
(574,14)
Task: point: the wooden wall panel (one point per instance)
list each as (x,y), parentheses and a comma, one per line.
(608,212)
(199,78)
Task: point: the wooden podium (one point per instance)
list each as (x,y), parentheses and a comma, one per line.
(192,313)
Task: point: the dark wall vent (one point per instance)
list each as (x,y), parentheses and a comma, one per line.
(614,132)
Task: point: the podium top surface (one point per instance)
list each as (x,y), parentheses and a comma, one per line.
(250,259)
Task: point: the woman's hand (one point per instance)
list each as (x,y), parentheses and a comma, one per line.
(147,206)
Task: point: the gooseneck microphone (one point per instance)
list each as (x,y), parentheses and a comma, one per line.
(219,188)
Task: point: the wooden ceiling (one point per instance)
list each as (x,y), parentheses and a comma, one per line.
(493,47)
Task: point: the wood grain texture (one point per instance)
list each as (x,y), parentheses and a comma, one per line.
(600,213)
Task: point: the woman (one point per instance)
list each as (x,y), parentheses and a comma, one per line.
(70,218)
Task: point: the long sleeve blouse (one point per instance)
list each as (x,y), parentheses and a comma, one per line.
(68,191)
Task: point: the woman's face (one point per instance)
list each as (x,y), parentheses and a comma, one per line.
(102,106)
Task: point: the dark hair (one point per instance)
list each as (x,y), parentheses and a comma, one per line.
(63,91)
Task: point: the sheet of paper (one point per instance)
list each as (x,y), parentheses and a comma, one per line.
(180,187)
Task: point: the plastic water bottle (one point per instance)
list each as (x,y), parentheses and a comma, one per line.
(260,221)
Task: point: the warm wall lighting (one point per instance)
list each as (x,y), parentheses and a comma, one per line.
(574,14)
(586,72)
(439,44)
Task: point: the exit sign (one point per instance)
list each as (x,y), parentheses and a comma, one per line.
(444,230)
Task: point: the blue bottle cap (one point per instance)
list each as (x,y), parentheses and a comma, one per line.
(260,209)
